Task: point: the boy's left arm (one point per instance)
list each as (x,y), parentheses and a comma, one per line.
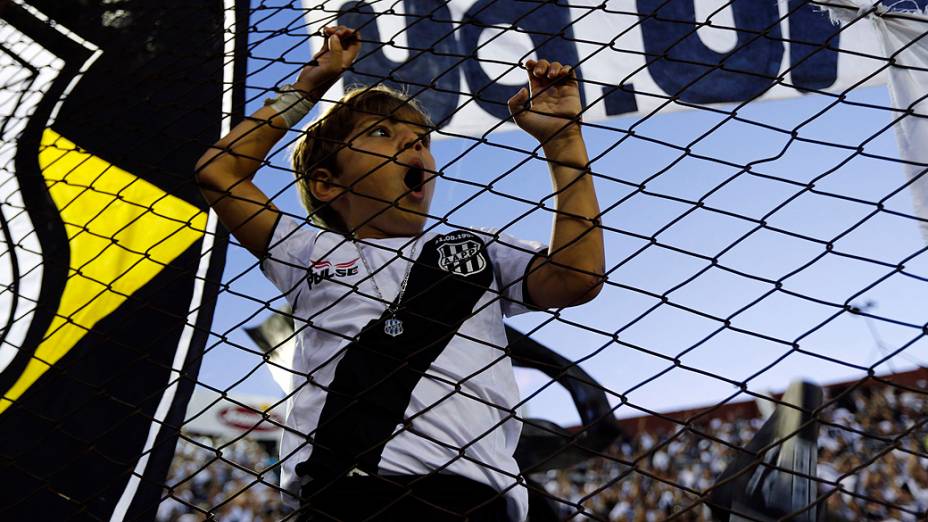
(572,273)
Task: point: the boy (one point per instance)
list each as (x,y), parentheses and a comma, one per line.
(403,399)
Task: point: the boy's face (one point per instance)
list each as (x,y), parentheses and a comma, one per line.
(389,175)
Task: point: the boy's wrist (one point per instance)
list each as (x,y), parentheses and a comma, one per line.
(314,87)
(566,146)
(312,93)
(291,104)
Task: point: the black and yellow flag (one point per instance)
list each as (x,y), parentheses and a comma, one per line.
(107,253)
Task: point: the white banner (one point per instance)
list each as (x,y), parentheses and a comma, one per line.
(460,57)
(902,37)
(209,413)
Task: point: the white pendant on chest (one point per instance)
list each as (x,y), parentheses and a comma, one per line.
(393,327)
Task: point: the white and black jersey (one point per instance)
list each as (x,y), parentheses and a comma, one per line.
(440,397)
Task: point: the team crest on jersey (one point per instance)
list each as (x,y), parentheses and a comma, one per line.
(322,269)
(462,254)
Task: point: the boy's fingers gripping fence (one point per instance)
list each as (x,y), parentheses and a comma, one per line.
(772,230)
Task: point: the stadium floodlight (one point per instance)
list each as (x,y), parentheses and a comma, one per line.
(774,476)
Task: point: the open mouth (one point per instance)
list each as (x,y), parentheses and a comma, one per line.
(414,179)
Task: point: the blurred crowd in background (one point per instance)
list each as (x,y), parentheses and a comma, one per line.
(873,466)
(873,449)
(212,480)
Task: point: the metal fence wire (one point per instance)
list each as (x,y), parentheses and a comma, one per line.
(750,242)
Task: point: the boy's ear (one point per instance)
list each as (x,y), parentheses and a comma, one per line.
(323,185)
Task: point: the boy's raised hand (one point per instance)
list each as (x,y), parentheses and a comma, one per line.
(338,52)
(549,108)
(572,271)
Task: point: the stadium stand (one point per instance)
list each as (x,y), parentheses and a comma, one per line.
(872,463)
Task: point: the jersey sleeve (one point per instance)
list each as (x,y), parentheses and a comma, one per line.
(512,258)
(288,255)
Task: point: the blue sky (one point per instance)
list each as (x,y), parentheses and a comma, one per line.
(619,346)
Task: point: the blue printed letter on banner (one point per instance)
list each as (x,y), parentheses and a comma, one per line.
(685,68)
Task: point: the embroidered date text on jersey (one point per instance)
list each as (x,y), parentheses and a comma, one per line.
(463,257)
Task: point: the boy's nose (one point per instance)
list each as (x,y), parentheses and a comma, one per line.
(413,141)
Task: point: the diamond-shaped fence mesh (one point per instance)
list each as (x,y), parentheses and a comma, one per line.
(756,350)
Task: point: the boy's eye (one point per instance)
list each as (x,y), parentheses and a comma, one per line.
(380,131)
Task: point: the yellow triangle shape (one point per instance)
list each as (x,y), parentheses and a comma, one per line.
(122,231)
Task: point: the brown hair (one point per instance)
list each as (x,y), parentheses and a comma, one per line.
(329,133)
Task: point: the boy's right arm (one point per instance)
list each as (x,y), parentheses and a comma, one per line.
(224,173)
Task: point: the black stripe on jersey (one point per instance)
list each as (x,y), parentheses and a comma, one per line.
(373,382)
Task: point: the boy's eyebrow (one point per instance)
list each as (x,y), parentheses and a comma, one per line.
(376,119)
(372,119)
